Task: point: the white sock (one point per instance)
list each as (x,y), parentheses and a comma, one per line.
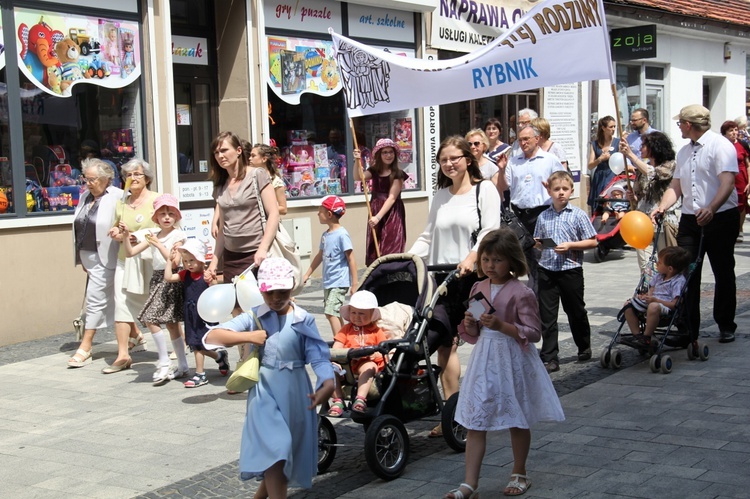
(160,339)
(179,349)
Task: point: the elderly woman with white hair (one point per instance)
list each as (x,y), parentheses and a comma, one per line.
(95,252)
(132,274)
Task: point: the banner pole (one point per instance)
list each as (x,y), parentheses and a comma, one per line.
(365,189)
(622,137)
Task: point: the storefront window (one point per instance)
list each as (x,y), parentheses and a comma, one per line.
(80,98)
(641,86)
(6,177)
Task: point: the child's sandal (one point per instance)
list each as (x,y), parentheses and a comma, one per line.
(337,409)
(360,404)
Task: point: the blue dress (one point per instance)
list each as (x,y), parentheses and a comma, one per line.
(278,425)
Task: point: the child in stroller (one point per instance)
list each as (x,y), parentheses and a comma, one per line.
(611,199)
(361,330)
(663,292)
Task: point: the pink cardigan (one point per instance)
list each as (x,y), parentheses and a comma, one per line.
(516,304)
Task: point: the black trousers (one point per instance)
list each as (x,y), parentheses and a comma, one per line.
(565,286)
(528,217)
(719,237)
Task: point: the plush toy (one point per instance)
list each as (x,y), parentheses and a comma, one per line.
(68,52)
(54,79)
(329,73)
(38,48)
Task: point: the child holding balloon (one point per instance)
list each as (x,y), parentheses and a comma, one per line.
(280,435)
(193,254)
(563,232)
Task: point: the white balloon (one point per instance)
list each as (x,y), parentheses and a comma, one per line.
(216,303)
(617,163)
(248,294)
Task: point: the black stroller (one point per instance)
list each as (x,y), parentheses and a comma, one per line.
(608,233)
(672,331)
(406,390)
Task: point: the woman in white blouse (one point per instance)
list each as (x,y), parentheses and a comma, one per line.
(448,239)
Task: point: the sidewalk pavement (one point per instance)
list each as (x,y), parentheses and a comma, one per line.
(628,433)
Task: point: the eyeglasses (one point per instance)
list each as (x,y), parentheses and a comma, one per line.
(387,152)
(452,160)
(524,123)
(636,120)
(88,180)
(523,140)
(135,175)
(680,123)
(476,143)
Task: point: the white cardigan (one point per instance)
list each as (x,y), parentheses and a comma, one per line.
(106,247)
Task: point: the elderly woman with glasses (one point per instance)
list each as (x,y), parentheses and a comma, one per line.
(95,252)
(480,143)
(452,236)
(131,274)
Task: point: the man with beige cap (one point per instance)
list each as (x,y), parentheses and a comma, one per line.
(704,176)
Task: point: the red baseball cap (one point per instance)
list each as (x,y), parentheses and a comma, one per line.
(332,203)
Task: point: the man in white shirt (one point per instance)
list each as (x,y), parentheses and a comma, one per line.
(704,176)
(526,174)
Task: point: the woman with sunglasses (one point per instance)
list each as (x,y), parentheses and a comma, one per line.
(480,143)
(452,235)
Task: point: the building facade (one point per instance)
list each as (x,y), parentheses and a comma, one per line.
(158,79)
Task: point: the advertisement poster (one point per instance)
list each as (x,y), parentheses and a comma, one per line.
(299,65)
(58,51)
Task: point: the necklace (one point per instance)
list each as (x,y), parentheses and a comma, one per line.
(135,204)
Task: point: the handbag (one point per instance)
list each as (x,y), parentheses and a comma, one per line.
(79,323)
(509,219)
(246,375)
(283,246)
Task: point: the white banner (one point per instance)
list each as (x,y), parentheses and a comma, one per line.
(558,41)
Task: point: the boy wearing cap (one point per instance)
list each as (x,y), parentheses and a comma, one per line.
(619,208)
(704,178)
(337,255)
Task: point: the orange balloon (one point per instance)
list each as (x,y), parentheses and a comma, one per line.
(636,229)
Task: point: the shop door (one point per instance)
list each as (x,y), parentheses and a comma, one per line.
(195,114)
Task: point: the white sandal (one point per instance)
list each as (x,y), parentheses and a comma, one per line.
(515,484)
(137,344)
(458,494)
(83,355)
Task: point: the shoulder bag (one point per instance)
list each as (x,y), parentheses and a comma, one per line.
(509,219)
(283,246)
(475,234)
(79,323)
(248,371)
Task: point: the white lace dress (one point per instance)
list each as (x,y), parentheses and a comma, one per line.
(505,385)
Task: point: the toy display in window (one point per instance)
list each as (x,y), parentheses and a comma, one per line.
(128,58)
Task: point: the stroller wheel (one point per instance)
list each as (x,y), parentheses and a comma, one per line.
(326,444)
(601,253)
(604,358)
(655,363)
(387,447)
(666,364)
(455,435)
(703,350)
(692,351)
(615,360)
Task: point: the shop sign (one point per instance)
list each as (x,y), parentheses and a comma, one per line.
(301,65)
(196,223)
(381,24)
(195,191)
(314,16)
(189,50)
(58,51)
(638,42)
(465,25)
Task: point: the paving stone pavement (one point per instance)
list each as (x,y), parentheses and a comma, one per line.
(628,433)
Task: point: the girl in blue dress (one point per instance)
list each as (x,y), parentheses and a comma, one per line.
(280,435)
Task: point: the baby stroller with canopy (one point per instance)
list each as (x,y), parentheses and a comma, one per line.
(608,233)
(406,390)
(671,332)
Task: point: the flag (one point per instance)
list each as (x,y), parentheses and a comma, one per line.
(558,41)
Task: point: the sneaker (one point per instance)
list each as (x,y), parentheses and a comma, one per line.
(196,381)
(161,375)
(223,361)
(177,373)
(726,337)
